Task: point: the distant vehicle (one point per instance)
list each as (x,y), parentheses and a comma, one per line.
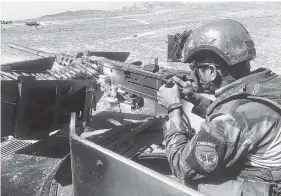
(6,22)
(32,23)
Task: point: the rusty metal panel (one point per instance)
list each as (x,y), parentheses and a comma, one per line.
(33,106)
(8,106)
(99,171)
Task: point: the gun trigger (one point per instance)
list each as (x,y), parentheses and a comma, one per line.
(169,84)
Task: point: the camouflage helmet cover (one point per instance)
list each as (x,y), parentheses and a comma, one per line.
(227,38)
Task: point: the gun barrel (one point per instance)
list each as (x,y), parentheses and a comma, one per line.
(104,62)
(32,51)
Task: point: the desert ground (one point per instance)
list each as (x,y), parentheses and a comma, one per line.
(142,30)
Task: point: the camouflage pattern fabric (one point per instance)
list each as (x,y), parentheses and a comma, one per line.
(235,131)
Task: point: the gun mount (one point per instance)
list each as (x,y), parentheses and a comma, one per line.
(34,103)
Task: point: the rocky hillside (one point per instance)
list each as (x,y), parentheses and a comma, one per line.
(75,14)
(151,6)
(136,7)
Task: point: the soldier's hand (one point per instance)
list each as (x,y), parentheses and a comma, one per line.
(186,87)
(168,94)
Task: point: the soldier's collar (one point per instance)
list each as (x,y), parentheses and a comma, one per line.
(256,76)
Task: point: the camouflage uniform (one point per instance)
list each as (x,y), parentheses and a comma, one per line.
(241,128)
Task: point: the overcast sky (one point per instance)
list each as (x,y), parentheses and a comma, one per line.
(28,9)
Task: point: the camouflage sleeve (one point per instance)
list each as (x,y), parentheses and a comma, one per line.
(200,108)
(206,152)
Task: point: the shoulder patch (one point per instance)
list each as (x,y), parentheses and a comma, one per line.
(206,155)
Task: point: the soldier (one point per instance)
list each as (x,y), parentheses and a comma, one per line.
(238,147)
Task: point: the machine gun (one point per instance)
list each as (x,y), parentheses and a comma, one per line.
(123,82)
(95,170)
(143,81)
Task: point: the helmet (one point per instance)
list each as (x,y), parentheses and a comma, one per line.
(227,38)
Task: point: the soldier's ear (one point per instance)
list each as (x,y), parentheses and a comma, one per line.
(213,72)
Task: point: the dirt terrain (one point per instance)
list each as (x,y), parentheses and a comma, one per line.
(142,29)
